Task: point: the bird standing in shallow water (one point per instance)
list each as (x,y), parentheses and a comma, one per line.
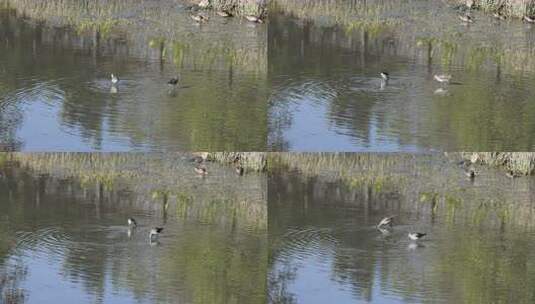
(155,232)
(114,79)
(132,222)
(385,76)
(416,235)
(470,173)
(387,221)
(199,18)
(174,81)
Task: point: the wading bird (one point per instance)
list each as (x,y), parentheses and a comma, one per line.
(132,222)
(174,81)
(385,76)
(201,170)
(154,233)
(416,235)
(114,79)
(199,18)
(387,221)
(529,19)
(470,173)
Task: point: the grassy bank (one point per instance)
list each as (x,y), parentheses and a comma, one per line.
(514,8)
(238,7)
(519,162)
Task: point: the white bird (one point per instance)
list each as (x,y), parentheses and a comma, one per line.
(132,222)
(385,76)
(416,235)
(155,232)
(114,79)
(442,78)
(385,222)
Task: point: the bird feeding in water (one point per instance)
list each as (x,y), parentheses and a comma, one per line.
(416,235)
(155,233)
(114,79)
(387,221)
(385,76)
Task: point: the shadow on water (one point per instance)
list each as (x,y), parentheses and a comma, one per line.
(56,58)
(325,67)
(64,236)
(324,246)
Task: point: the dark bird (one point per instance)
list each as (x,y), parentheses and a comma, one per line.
(416,235)
(239,170)
(470,173)
(174,81)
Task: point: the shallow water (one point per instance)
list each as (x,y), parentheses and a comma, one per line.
(63,240)
(324,65)
(324,246)
(56,94)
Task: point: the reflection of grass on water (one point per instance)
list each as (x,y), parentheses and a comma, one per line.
(159,179)
(130,19)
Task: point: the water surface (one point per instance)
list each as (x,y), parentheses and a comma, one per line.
(324,246)
(324,63)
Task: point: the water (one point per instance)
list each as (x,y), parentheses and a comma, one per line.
(324,246)
(64,239)
(56,94)
(324,63)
